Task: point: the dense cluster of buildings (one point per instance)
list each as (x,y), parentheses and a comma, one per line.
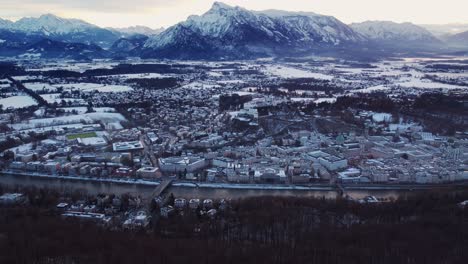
(212,150)
(189,134)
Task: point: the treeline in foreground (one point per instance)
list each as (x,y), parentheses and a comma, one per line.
(424,228)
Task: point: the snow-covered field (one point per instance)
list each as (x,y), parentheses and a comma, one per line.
(415,82)
(317,101)
(26,77)
(55,98)
(289,72)
(302,99)
(91,87)
(138,76)
(381,117)
(75,66)
(231,82)
(40,86)
(328,100)
(215,74)
(376,88)
(199,85)
(92,141)
(82,109)
(18,101)
(106,118)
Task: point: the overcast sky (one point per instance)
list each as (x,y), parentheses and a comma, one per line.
(164,13)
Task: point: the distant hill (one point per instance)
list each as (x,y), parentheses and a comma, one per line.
(136,30)
(61,29)
(458,40)
(397,35)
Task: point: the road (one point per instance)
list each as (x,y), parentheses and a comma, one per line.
(148,150)
(41,101)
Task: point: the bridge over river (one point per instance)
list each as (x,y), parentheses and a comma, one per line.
(158,191)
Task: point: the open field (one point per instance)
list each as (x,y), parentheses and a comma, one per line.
(82,135)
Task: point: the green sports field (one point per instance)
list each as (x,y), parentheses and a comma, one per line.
(82,135)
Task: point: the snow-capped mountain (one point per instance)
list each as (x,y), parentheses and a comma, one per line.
(459,40)
(137,30)
(228,31)
(386,32)
(55,49)
(446,30)
(46,48)
(5,23)
(51,24)
(224,32)
(61,29)
(11,42)
(130,46)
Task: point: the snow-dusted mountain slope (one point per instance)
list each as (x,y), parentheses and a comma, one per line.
(391,31)
(459,40)
(137,30)
(5,23)
(236,31)
(61,29)
(51,24)
(129,46)
(446,30)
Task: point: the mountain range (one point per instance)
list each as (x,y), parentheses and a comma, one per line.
(397,35)
(234,32)
(223,32)
(136,30)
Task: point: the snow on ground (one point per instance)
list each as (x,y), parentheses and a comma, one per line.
(302,99)
(328,100)
(18,101)
(215,74)
(91,87)
(348,70)
(289,72)
(231,82)
(82,109)
(317,101)
(453,75)
(105,118)
(28,55)
(372,89)
(55,97)
(138,76)
(114,126)
(414,82)
(39,86)
(199,85)
(242,93)
(54,128)
(22,148)
(26,78)
(401,127)
(234,113)
(381,117)
(92,141)
(75,66)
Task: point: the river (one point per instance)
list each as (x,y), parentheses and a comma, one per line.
(93,187)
